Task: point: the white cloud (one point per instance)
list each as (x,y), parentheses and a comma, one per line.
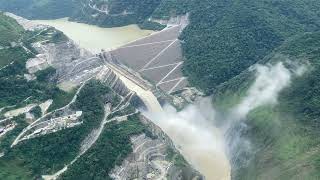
(270,81)
(193,131)
(196,137)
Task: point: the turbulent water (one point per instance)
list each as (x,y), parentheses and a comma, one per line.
(191,129)
(197,138)
(95,38)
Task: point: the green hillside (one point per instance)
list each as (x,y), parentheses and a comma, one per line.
(120,12)
(14,88)
(226,37)
(284,138)
(51,152)
(10,30)
(39,9)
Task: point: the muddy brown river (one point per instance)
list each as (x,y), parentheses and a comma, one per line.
(207,156)
(95,38)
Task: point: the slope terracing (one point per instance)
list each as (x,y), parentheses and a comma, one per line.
(150,156)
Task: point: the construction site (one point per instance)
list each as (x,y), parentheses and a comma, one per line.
(136,70)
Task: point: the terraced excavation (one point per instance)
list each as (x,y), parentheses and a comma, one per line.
(149,153)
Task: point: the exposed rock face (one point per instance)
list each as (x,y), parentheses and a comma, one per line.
(150,158)
(139,163)
(66,57)
(37,64)
(17,112)
(183,20)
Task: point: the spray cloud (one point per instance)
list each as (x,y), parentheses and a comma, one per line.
(203,144)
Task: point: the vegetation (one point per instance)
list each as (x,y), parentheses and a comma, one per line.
(39,9)
(49,153)
(223,39)
(10,30)
(151,25)
(226,37)
(283,137)
(111,149)
(172,8)
(61,99)
(177,159)
(120,12)
(7,140)
(14,88)
(46,74)
(36,111)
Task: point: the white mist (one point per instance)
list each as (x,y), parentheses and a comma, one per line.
(193,131)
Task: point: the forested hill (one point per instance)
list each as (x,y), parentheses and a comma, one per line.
(39,9)
(283,138)
(226,37)
(99,12)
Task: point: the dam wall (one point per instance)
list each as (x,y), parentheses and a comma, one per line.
(111,79)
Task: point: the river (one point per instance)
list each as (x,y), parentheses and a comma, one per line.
(94,38)
(201,145)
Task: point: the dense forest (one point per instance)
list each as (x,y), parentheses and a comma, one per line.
(39,9)
(284,143)
(226,37)
(119,13)
(111,149)
(223,37)
(48,154)
(14,88)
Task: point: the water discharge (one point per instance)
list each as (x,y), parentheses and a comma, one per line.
(192,129)
(94,38)
(196,137)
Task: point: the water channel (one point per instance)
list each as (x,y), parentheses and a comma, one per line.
(206,155)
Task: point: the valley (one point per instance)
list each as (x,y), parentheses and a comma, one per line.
(160,89)
(111,110)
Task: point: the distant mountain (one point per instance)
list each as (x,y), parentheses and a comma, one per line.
(39,9)
(226,37)
(223,40)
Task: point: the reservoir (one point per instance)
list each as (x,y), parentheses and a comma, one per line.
(94,38)
(198,141)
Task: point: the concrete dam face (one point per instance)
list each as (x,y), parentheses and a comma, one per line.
(157,58)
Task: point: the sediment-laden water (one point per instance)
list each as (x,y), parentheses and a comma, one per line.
(94,38)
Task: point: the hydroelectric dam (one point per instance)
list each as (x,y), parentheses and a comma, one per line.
(148,67)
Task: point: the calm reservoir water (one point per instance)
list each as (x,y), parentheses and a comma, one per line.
(94,38)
